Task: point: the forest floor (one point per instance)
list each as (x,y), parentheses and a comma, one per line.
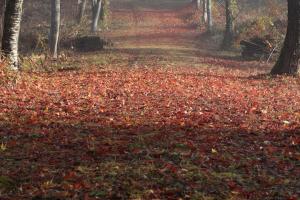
(160,115)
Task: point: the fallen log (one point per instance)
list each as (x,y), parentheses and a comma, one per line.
(87,43)
(256,48)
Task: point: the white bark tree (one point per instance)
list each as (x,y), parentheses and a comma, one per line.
(54,28)
(11,31)
(204,15)
(199,4)
(96,11)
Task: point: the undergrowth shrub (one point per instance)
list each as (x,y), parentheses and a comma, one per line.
(260,27)
(8,77)
(33,42)
(269,19)
(45,63)
(251,20)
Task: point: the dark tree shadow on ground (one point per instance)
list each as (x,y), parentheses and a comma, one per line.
(172,160)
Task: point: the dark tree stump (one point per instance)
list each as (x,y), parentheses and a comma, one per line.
(89,43)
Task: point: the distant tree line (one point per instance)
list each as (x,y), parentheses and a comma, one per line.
(13,10)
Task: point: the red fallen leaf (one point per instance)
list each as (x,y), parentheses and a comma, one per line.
(66,186)
(170,167)
(12,143)
(232,185)
(253,109)
(191,144)
(235,188)
(87,197)
(103,150)
(78,185)
(271,149)
(33,118)
(294,197)
(137,150)
(295,141)
(70,176)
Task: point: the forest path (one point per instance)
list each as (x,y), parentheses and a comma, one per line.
(154,35)
(166,34)
(157,116)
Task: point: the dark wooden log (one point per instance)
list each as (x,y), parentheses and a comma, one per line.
(87,43)
(256,47)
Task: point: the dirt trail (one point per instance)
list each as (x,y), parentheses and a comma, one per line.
(168,35)
(156,28)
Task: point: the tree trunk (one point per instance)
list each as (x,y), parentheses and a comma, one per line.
(204,14)
(2,4)
(198,4)
(81,10)
(102,11)
(96,9)
(11,31)
(229,27)
(288,62)
(55,27)
(209,16)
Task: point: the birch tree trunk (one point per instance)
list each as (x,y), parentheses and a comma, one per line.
(209,16)
(55,27)
(198,4)
(81,10)
(288,62)
(96,10)
(229,27)
(11,31)
(204,16)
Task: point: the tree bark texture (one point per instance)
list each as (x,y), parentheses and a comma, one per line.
(288,61)
(11,31)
